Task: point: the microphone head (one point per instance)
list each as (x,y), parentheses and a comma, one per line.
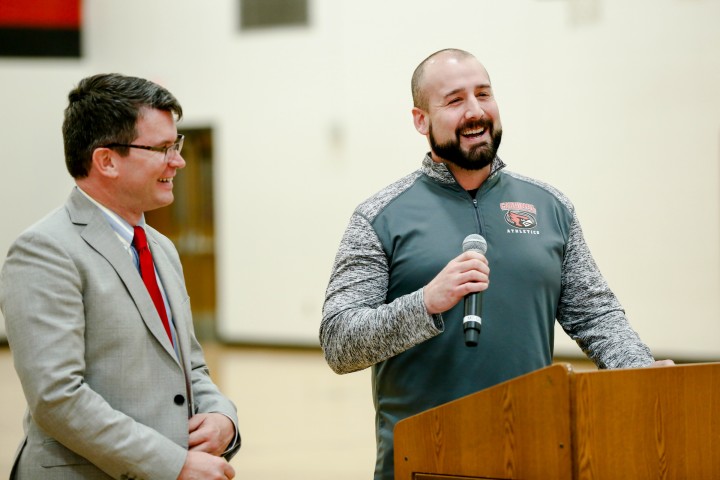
(474,242)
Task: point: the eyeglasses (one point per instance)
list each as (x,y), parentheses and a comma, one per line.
(175,148)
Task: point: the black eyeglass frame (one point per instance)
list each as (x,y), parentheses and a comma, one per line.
(177,146)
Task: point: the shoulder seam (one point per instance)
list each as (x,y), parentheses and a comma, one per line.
(373,206)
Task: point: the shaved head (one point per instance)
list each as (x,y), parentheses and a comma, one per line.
(420,99)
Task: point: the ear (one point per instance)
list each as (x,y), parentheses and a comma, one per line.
(105,162)
(421,121)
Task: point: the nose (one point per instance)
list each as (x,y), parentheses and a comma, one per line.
(474,109)
(176,161)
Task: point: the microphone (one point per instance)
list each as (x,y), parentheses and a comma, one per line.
(472,321)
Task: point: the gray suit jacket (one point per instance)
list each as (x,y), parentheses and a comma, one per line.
(107,396)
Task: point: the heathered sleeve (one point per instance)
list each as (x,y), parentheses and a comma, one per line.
(590,313)
(359,329)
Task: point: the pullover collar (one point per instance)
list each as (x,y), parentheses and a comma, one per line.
(440,173)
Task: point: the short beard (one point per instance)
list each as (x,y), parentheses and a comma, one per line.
(479,156)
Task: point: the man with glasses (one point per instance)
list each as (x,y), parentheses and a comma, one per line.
(97,314)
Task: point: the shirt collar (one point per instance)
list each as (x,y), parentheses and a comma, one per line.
(441,172)
(123,229)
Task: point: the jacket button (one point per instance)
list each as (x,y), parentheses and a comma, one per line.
(179,399)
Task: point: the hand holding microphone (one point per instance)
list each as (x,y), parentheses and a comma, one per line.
(464,275)
(472,320)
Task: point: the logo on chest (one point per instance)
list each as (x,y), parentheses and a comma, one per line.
(522,217)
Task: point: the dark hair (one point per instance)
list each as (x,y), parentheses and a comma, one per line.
(104,109)
(418,93)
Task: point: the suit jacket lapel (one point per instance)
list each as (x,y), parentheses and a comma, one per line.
(102,238)
(174,291)
(176,295)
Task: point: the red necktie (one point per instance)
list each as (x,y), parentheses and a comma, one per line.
(147,272)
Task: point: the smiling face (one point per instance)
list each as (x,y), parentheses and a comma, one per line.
(460,117)
(143,180)
(146,179)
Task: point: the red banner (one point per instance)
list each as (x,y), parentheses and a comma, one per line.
(40,13)
(40,28)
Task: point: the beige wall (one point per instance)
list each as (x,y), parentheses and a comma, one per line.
(615,102)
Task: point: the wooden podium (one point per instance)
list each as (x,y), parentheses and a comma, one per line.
(556,424)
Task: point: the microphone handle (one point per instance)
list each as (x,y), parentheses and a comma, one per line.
(472,321)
